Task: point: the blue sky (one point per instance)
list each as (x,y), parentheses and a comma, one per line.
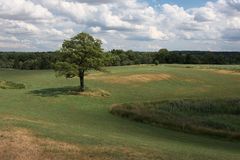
(183,3)
(42,25)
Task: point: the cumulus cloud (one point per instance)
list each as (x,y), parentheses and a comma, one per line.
(133,24)
(23,10)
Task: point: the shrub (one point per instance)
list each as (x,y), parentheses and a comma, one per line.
(156,62)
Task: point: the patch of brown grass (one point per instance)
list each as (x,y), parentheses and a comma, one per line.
(18,145)
(21,144)
(227,72)
(96,93)
(222,71)
(191,80)
(135,78)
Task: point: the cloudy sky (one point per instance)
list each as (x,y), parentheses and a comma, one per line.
(42,25)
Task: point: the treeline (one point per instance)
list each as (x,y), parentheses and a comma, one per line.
(120,57)
(27,60)
(45,60)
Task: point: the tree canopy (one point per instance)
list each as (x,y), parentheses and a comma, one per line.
(78,55)
(44,60)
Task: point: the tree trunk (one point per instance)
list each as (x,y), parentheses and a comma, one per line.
(81,77)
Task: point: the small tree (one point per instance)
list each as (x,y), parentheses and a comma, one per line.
(78,55)
(156,62)
(162,55)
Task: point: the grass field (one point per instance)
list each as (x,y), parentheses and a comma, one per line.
(52,122)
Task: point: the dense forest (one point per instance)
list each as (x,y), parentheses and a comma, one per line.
(45,60)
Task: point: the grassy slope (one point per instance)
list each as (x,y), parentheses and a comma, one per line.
(86,120)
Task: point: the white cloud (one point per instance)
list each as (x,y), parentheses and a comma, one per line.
(8,39)
(23,10)
(95,29)
(204,14)
(132,24)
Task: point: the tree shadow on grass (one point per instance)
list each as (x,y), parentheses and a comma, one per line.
(55,92)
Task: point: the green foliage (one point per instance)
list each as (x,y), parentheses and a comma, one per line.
(66,69)
(44,60)
(198,116)
(156,62)
(78,55)
(82,52)
(29,60)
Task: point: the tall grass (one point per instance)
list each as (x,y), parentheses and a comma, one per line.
(211,117)
(11,85)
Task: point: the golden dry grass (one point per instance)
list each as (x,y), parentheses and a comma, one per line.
(126,79)
(227,72)
(222,71)
(21,144)
(96,93)
(18,145)
(191,80)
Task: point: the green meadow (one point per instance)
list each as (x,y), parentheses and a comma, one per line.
(50,111)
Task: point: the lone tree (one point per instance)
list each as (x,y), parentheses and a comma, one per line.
(161,56)
(78,55)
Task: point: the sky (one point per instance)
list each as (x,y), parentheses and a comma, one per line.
(183,3)
(143,25)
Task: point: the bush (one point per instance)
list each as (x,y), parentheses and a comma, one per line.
(156,62)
